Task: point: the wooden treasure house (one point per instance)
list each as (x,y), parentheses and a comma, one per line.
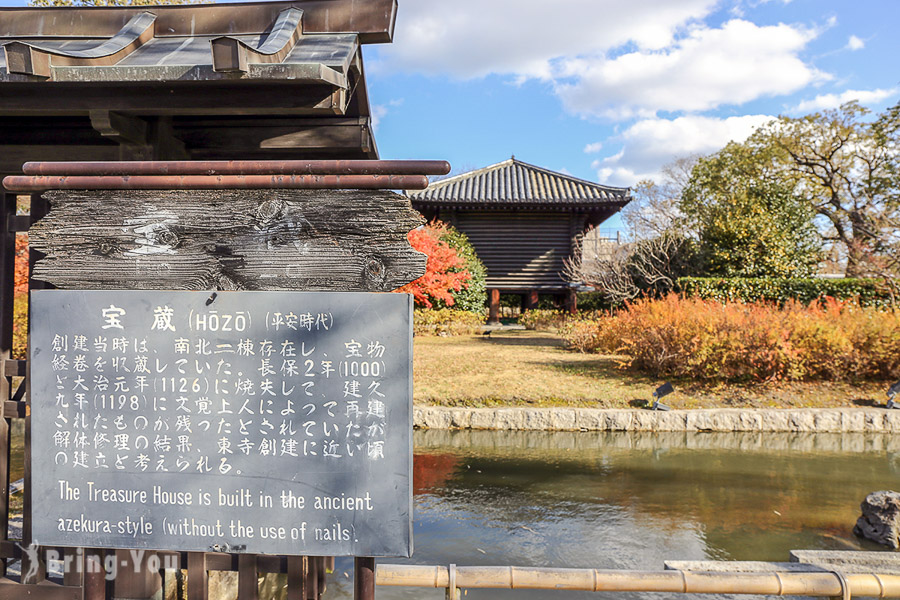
(523,221)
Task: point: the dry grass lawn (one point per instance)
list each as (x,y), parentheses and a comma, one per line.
(529,368)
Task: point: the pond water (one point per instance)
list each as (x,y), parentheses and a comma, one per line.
(632,500)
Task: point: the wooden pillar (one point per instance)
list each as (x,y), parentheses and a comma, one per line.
(94,575)
(248,586)
(134,579)
(531,300)
(571,301)
(493,307)
(297,577)
(364,578)
(197,576)
(34,568)
(7,295)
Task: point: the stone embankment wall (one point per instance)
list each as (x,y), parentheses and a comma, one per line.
(814,420)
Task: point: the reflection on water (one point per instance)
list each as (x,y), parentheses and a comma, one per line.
(633,500)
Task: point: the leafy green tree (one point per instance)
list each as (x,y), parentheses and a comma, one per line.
(747,217)
(846,167)
(474,296)
(653,210)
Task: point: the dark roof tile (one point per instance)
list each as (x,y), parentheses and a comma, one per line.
(515,182)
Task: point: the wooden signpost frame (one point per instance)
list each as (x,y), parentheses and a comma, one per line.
(85,578)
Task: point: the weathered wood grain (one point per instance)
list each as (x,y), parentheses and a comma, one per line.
(335,240)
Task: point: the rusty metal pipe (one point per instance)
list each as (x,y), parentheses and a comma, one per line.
(26,183)
(818,583)
(241,167)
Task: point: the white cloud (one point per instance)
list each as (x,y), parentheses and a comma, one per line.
(472,38)
(828,101)
(651,143)
(736,63)
(379,111)
(605,57)
(593,148)
(855,43)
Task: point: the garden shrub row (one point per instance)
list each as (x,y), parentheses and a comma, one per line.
(780,290)
(710,340)
(446,321)
(542,319)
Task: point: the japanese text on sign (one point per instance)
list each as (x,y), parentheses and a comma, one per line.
(271,422)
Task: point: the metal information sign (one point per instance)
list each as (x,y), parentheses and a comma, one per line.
(262,422)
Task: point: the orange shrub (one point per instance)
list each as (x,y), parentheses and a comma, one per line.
(706,339)
(21,262)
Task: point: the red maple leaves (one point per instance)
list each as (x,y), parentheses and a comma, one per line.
(445,271)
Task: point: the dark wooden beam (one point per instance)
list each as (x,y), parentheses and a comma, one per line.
(166,145)
(120,128)
(172,98)
(348,240)
(13,157)
(280,135)
(372,19)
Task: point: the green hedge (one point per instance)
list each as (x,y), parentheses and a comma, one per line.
(751,289)
(590,301)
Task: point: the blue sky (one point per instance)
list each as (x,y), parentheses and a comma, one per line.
(611,90)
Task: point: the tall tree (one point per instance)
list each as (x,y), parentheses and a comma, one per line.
(658,249)
(747,217)
(653,209)
(844,165)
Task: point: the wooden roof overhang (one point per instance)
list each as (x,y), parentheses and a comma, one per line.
(576,207)
(513,185)
(262,80)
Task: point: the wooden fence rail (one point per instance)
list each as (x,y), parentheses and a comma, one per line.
(816,583)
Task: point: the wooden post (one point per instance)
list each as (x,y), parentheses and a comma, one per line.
(248,586)
(297,577)
(198,576)
(135,581)
(571,301)
(312,587)
(33,571)
(494,307)
(531,300)
(321,574)
(73,567)
(7,294)
(94,575)
(364,578)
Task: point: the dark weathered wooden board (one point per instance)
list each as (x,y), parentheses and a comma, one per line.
(313,240)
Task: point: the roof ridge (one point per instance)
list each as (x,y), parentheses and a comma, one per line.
(513,181)
(440,182)
(515,161)
(569,177)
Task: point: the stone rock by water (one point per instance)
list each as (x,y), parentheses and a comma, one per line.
(880,520)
